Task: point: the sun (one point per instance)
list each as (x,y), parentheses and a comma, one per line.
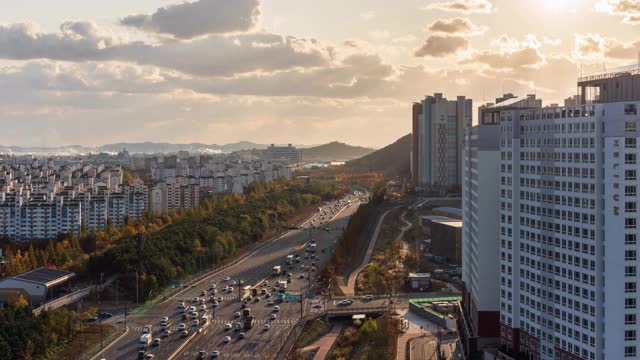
(559,6)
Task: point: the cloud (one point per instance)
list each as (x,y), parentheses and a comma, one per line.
(368,15)
(629,10)
(456,25)
(594,48)
(198,18)
(214,55)
(463,6)
(441,46)
(509,54)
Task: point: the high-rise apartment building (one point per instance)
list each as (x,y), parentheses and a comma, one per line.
(480,235)
(440,127)
(416,111)
(284,153)
(568,224)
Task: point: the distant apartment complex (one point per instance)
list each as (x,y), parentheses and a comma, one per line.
(436,157)
(284,153)
(42,199)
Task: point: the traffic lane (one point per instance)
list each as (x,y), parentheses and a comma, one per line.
(246,268)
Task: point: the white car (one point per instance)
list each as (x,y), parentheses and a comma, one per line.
(227,278)
(345,302)
(214,291)
(367,298)
(227,339)
(164,319)
(213,286)
(266,327)
(270,302)
(230,289)
(195,299)
(273,316)
(219,299)
(276,308)
(228,326)
(232,282)
(156,341)
(184,333)
(215,304)
(225,288)
(237,314)
(182,327)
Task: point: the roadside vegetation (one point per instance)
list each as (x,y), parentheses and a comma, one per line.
(313,330)
(375,339)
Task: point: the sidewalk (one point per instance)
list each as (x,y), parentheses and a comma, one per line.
(412,331)
(325,343)
(350,287)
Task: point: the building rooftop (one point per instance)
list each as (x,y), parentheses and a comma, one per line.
(454,223)
(438,218)
(46,276)
(419,275)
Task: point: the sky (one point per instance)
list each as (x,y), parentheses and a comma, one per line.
(77,72)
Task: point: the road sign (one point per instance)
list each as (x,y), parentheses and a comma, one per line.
(291,297)
(174,283)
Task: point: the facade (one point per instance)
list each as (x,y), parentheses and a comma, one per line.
(440,129)
(446,240)
(415,118)
(480,236)
(36,286)
(568,225)
(284,153)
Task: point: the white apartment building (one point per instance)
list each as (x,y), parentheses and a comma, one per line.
(481,233)
(568,225)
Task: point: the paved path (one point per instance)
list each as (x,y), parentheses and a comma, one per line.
(413,330)
(325,343)
(350,287)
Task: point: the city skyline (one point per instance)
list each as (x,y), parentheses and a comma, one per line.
(157,71)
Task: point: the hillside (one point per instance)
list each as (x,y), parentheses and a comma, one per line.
(334,151)
(393,159)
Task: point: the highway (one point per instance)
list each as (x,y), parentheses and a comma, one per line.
(258,343)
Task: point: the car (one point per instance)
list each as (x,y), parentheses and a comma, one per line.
(227,339)
(215,304)
(165,326)
(241,335)
(214,291)
(263,292)
(182,327)
(201,355)
(212,287)
(237,326)
(215,354)
(237,314)
(249,298)
(195,299)
(227,278)
(313,263)
(345,302)
(202,307)
(203,293)
(184,333)
(230,289)
(266,283)
(195,324)
(270,302)
(240,282)
(273,316)
(164,319)
(219,299)
(150,356)
(289,281)
(257,299)
(244,305)
(228,326)
(201,301)
(367,298)
(232,282)
(194,315)
(225,288)
(185,316)
(301,276)
(156,341)
(266,327)
(212,299)
(141,354)
(276,308)
(166,333)
(105,315)
(317,306)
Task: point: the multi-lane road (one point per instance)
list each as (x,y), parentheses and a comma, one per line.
(258,342)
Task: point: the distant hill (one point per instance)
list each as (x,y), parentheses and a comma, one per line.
(393,159)
(334,151)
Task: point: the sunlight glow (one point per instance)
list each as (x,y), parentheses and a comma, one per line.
(560,6)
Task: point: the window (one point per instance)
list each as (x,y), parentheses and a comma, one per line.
(630,319)
(629,351)
(629,174)
(630,159)
(630,190)
(629,239)
(630,223)
(629,207)
(630,255)
(629,335)
(630,109)
(629,287)
(630,271)
(630,143)
(630,303)
(630,126)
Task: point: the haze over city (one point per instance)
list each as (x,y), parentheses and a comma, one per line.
(91,73)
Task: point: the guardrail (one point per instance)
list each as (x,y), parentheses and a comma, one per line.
(73,297)
(359,310)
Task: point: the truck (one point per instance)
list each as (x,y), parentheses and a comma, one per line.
(246,291)
(248,322)
(277,270)
(289,259)
(145,341)
(246,312)
(281,285)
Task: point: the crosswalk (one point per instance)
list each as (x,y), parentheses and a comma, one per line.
(188,300)
(222,322)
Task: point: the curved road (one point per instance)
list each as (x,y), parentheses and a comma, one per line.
(258,343)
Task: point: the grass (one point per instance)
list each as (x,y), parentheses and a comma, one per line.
(313,330)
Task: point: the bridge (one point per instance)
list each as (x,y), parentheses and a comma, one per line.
(73,297)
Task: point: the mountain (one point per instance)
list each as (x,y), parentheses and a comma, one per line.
(334,151)
(393,159)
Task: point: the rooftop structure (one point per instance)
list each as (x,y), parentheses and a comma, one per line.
(615,85)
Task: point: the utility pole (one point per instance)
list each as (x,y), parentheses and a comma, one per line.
(116,292)
(100,308)
(139,239)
